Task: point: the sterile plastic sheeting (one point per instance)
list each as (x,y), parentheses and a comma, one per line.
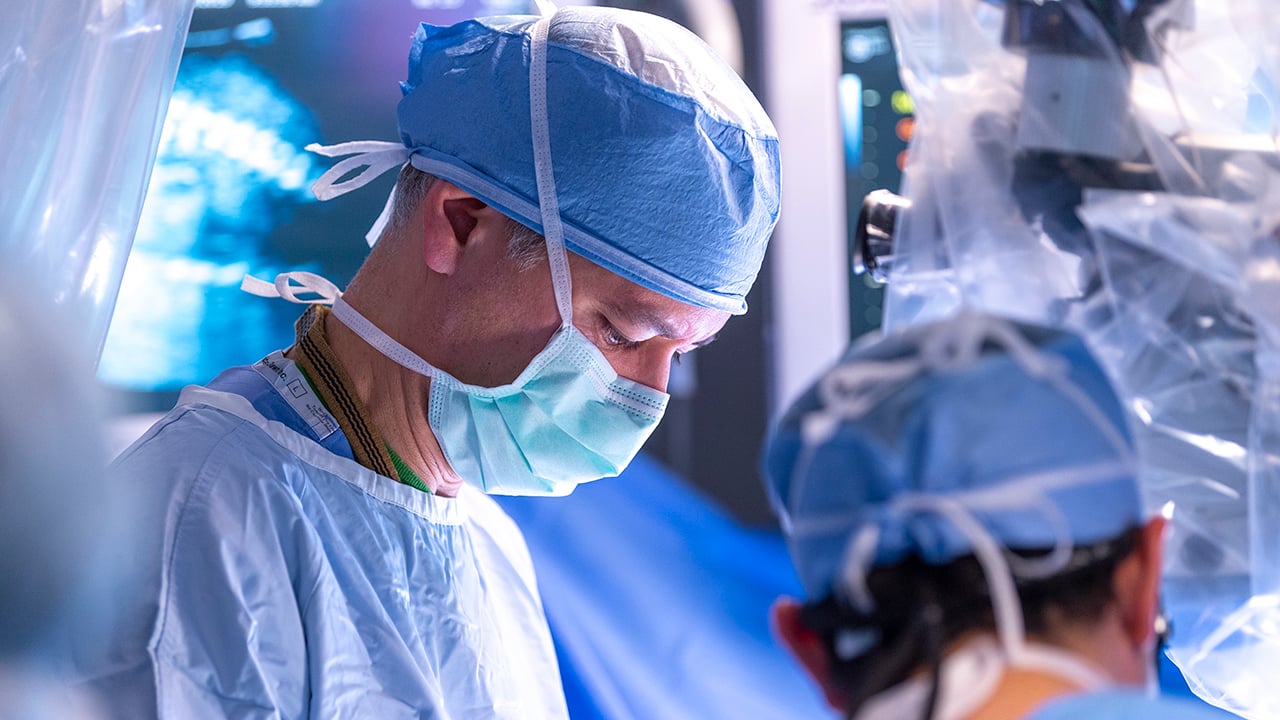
(1133,197)
(966,91)
(83,89)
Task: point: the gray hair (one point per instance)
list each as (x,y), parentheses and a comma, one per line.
(524,245)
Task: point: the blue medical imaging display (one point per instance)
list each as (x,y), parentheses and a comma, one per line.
(876,124)
(230,192)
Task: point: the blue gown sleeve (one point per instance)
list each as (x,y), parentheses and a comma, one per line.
(1127,705)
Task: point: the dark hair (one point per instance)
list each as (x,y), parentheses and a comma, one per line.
(920,608)
(524,245)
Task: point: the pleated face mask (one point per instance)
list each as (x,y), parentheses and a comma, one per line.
(569,418)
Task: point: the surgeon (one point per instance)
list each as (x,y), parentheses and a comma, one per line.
(318,540)
(961,503)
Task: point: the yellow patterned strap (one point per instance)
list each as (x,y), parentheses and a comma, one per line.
(334,386)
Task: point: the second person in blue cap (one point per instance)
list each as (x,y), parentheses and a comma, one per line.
(962,505)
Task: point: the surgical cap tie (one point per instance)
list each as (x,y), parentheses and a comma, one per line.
(372,158)
(637,108)
(995,568)
(998,567)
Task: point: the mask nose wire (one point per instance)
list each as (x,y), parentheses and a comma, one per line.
(548,201)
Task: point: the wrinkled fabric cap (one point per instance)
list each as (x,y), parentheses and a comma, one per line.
(665,164)
(975,425)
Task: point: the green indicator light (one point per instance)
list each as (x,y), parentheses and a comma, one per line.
(902,103)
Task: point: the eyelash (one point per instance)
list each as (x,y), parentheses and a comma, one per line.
(618,340)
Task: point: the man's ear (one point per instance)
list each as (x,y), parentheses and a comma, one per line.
(807,647)
(1137,583)
(449,217)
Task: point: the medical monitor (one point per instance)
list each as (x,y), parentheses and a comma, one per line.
(876,124)
(844,122)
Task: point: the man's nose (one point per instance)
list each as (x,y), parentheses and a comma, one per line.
(651,368)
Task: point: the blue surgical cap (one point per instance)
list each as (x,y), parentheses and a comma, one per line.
(1017,424)
(665,165)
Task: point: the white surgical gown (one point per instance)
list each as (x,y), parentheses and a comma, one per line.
(273,578)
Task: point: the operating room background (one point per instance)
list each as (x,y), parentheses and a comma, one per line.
(649,578)
(274,75)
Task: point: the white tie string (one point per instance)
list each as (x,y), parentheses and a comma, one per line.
(860,556)
(291,285)
(549,203)
(375,157)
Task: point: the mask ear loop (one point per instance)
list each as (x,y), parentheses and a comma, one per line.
(845,397)
(548,202)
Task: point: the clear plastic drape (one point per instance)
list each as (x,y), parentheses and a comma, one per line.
(83,89)
(1113,168)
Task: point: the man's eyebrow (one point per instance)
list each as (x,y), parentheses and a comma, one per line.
(649,320)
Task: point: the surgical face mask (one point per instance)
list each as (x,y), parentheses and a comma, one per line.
(568,418)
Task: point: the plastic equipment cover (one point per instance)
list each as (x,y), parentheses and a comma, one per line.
(83,88)
(1133,196)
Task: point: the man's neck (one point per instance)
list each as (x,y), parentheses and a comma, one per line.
(1021,691)
(978,683)
(1064,666)
(397,402)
